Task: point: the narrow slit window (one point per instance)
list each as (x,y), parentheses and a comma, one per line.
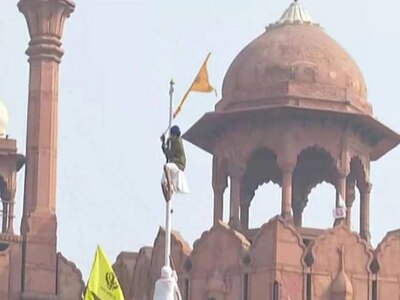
(374,289)
(275,291)
(246,286)
(308,287)
(186,289)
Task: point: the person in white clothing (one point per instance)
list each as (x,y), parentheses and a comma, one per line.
(166,287)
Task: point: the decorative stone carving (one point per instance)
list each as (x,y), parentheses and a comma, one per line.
(215,285)
(303,71)
(326,245)
(342,288)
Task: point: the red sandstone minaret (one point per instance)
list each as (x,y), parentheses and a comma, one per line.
(45,20)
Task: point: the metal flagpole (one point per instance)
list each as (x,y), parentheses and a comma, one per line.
(167,286)
(171,104)
(168,211)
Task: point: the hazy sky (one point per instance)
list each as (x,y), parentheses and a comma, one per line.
(113,105)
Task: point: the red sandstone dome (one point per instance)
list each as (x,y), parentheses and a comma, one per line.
(294,71)
(294,63)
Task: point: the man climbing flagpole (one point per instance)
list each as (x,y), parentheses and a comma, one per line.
(173,181)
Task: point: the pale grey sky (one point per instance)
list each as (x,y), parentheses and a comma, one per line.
(113,106)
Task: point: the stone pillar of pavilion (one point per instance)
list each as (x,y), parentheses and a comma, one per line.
(350,197)
(245,201)
(45,19)
(236,173)
(219,184)
(298,208)
(287,169)
(364,211)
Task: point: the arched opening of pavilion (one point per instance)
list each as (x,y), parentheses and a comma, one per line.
(260,198)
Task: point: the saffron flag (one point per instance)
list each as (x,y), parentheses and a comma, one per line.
(102,283)
(200,84)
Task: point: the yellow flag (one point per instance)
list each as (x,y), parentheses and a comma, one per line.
(200,84)
(102,283)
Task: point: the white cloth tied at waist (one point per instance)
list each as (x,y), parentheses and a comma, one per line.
(178,178)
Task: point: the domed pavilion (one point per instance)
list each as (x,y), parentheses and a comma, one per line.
(294,111)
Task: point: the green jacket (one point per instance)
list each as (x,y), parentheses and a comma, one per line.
(174,152)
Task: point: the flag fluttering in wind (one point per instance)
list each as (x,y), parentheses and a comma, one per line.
(103,283)
(200,84)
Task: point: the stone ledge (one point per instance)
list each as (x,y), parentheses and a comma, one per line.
(10,238)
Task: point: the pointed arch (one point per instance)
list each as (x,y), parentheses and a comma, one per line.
(315,165)
(265,204)
(261,168)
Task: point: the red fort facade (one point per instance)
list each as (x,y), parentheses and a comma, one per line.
(293,111)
